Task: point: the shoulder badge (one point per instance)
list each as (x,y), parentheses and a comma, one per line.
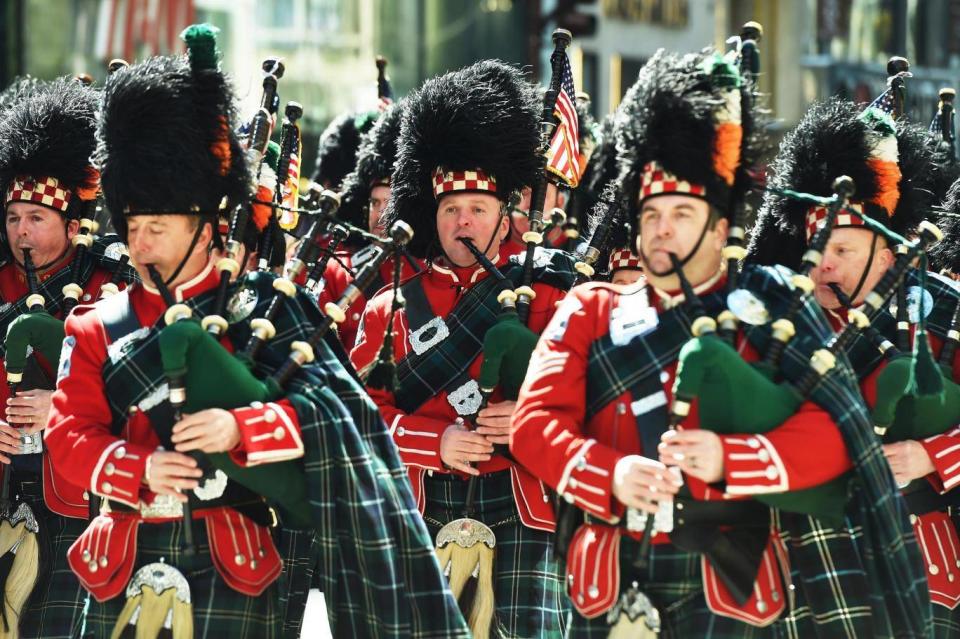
(242,303)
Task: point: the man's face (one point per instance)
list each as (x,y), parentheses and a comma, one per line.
(162,240)
(519,217)
(673,224)
(475,216)
(379,196)
(40,229)
(626,276)
(844,260)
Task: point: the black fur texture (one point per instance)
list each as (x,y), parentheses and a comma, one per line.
(337,152)
(375,158)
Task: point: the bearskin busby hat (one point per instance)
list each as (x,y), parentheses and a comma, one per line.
(945,254)
(46,140)
(339,143)
(892,166)
(475,129)
(18,89)
(682,129)
(166,139)
(375,158)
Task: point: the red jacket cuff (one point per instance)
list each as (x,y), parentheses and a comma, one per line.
(118,474)
(587,479)
(752,466)
(268,433)
(944,452)
(418,446)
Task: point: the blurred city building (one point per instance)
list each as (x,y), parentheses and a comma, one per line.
(810,48)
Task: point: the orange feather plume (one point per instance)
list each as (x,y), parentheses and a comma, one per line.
(726,150)
(887,176)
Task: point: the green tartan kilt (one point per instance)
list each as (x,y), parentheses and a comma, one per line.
(528,581)
(55,608)
(946,622)
(218,610)
(299,553)
(673,582)
(832,586)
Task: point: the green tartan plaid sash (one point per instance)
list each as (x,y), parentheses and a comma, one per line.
(899,597)
(425,375)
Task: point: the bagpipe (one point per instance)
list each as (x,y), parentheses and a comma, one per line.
(533,238)
(201,373)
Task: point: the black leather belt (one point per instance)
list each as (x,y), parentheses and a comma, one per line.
(921,498)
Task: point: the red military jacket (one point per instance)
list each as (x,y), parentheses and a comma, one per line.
(418,434)
(59,494)
(577,458)
(337,278)
(935,531)
(78,435)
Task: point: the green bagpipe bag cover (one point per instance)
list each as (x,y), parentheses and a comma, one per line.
(215,378)
(507,347)
(907,411)
(41,331)
(735,397)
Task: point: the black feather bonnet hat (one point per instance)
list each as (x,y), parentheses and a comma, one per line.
(682,129)
(891,163)
(46,140)
(375,158)
(339,143)
(475,129)
(166,139)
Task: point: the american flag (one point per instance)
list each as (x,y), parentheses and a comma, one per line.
(885,102)
(563,158)
(291,189)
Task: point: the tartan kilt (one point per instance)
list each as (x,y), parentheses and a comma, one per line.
(946,622)
(218,610)
(529,591)
(55,607)
(297,549)
(673,581)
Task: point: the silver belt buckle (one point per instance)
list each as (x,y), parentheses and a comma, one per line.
(429,335)
(163,507)
(466,400)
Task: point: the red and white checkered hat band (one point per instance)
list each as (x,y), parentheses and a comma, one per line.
(624,258)
(42,190)
(452,181)
(657,181)
(817,214)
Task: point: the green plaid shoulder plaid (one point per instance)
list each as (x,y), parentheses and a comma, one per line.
(864,579)
(377,567)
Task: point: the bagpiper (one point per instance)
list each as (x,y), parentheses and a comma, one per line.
(50,194)
(895,173)
(467,146)
(366,193)
(189,543)
(708,529)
